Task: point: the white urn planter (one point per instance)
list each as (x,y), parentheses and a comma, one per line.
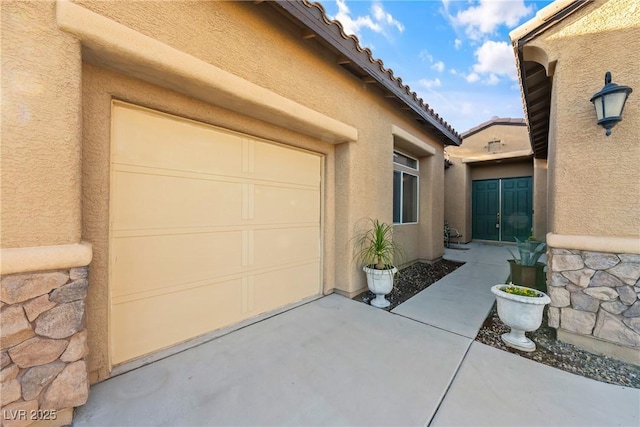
(520,313)
(380,282)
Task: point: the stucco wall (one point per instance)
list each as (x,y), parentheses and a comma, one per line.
(540,199)
(513,137)
(40,153)
(457,189)
(593,182)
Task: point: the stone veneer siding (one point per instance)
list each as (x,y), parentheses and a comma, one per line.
(595,294)
(44,345)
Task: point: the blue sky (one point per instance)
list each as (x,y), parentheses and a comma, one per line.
(456,55)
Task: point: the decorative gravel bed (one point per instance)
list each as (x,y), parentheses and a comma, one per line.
(411,280)
(550,351)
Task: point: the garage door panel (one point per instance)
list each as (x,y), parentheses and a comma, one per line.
(277,205)
(173,142)
(207,228)
(283,246)
(281,287)
(148,263)
(274,163)
(145,325)
(146,201)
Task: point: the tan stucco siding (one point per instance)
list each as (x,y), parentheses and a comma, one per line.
(509,170)
(511,137)
(594,187)
(40,154)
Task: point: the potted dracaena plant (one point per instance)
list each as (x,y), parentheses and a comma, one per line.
(375,251)
(525,269)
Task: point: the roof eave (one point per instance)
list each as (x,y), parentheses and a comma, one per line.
(312,16)
(544,19)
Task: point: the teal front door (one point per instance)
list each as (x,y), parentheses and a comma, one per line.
(502,208)
(486,209)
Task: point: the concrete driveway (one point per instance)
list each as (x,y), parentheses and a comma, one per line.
(334,362)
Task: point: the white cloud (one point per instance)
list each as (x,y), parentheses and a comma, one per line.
(382,16)
(472,78)
(453,71)
(379,21)
(425,56)
(438,66)
(430,83)
(457,43)
(484,16)
(495,59)
(492,80)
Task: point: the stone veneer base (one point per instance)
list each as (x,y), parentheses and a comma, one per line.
(43,346)
(595,300)
(597,346)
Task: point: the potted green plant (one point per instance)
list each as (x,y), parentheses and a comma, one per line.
(525,269)
(375,251)
(520,308)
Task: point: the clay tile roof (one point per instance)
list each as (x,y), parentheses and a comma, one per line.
(310,14)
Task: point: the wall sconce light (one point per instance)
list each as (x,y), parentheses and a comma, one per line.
(609,103)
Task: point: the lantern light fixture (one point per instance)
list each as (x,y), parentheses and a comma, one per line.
(609,103)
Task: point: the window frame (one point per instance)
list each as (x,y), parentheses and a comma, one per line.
(403,169)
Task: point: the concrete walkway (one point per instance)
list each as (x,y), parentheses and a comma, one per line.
(335,361)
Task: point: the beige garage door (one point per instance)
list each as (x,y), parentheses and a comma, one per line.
(208,227)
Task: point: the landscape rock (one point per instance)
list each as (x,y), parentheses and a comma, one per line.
(37,306)
(37,351)
(611,328)
(602,278)
(633,258)
(627,295)
(602,293)
(633,311)
(627,272)
(74,291)
(579,278)
(61,321)
(77,348)
(36,378)
(554,317)
(567,262)
(557,279)
(16,288)
(4,359)
(633,324)
(559,297)
(581,322)
(69,389)
(600,261)
(10,373)
(15,326)
(614,307)
(78,273)
(19,407)
(584,302)
(9,392)
(559,251)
